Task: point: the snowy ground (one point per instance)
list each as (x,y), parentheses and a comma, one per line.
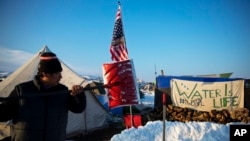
(175,131)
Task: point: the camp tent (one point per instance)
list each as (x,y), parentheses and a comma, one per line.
(94,117)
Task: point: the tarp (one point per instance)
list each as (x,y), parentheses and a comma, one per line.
(163,82)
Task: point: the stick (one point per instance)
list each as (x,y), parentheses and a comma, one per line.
(48,94)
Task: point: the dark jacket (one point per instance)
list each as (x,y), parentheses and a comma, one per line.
(40,118)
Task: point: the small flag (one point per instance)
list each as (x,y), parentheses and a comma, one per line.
(118,47)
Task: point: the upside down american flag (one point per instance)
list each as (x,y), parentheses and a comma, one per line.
(121,70)
(118,47)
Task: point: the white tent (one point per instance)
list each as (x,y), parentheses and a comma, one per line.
(95,115)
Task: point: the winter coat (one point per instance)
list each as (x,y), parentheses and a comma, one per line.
(40,118)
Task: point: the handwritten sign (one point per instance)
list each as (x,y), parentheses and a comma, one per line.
(205,96)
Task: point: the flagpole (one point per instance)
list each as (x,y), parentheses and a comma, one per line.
(131,115)
(113,71)
(130,106)
(119,4)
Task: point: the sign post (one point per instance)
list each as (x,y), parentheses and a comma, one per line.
(164,99)
(164,111)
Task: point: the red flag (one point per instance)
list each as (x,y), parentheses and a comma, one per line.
(118,47)
(120,76)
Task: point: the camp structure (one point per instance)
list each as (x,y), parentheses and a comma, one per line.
(94,117)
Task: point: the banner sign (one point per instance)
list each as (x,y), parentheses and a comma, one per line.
(205,96)
(121,77)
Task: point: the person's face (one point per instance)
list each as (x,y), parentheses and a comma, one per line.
(51,79)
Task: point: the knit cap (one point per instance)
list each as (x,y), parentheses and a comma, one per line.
(49,63)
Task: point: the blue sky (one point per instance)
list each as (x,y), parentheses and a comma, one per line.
(181,37)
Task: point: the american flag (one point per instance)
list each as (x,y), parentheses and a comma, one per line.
(118,47)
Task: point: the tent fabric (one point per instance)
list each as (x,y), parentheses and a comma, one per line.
(220,75)
(92,118)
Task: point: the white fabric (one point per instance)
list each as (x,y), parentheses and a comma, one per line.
(205,96)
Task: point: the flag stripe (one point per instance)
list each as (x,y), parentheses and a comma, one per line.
(118,53)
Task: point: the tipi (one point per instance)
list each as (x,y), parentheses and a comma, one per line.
(95,116)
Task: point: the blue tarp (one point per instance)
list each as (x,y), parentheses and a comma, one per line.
(103,99)
(163,82)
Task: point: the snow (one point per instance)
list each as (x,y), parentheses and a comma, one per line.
(175,131)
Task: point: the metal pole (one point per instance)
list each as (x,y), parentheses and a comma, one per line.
(164,115)
(131,115)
